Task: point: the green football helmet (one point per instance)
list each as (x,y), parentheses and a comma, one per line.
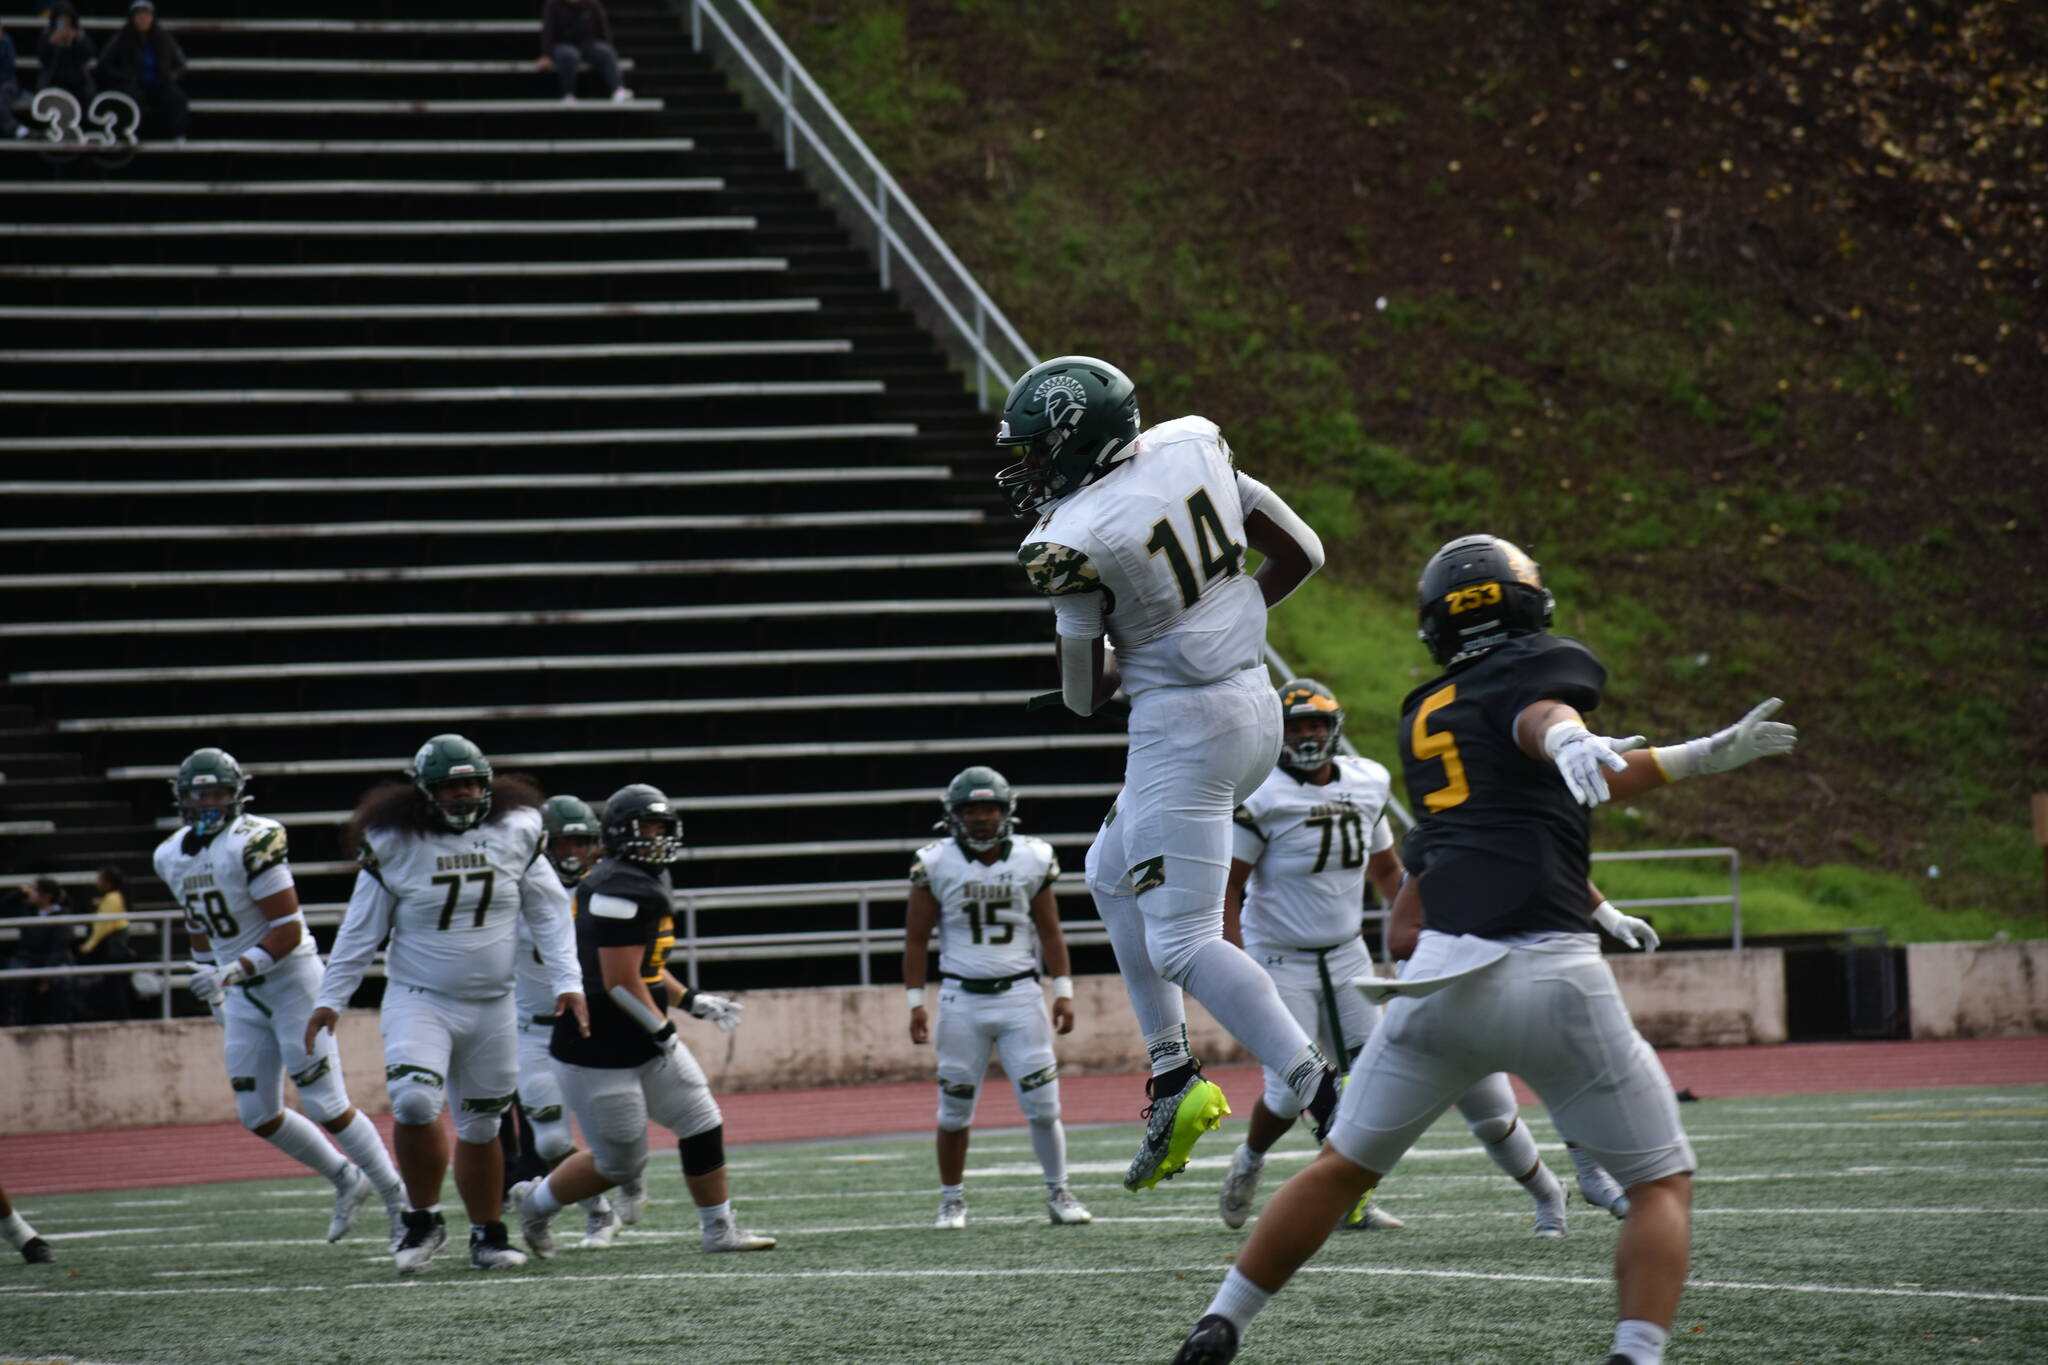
(209,770)
(977,784)
(573,835)
(451,758)
(1307,697)
(1065,420)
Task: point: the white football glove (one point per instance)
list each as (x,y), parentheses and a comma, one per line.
(206,985)
(1753,737)
(1636,933)
(677,1056)
(723,1012)
(1580,755)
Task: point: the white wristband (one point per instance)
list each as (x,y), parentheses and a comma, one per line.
(913,996)
(1063,988)
(259,960)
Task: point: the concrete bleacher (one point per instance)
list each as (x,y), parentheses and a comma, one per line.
(403,398)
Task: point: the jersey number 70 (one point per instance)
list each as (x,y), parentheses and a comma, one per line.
(1221,556)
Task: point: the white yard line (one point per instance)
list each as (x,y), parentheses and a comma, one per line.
(528,1283)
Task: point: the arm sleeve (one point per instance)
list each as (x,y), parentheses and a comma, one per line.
(544,908)
(363,927)
(1079,617)
(1250,493)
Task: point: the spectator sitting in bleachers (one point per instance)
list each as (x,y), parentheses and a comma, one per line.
(10,89)
(143,61)
(575,34)
(46,1000)
(67,56)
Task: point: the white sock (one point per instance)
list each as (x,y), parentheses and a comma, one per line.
(1168,1048)
(1543,1187)
(1242,998)
(541,1201)
(953,1191)
(1245,1159)
(1049,1141)
(17,1231)
(710,1214)
(1239,1300)
(364,1147)
(1642,1342)
(301,1139)
(1516,1152)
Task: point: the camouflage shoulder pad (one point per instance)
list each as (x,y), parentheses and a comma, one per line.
(1056,570)
(366,856)
(1243,817)
(265,849)
(920,875)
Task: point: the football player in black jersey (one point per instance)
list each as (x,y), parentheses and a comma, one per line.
(1502,772)
(631,1066)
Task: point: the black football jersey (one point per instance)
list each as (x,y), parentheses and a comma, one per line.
(1499,844)
(616,1040)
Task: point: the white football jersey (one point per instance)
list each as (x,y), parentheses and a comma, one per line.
(450,904)
(1162,535)
(1307,846)
(220,884)
(985,927)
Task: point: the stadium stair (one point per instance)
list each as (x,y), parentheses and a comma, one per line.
(403,398)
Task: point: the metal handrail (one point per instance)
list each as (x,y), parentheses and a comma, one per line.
(873,197)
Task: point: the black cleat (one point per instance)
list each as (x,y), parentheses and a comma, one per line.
(1212,1342)
(37,1252)
(491,1249)
(1619,1359)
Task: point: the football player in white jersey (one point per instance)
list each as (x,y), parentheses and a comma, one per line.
(573,849)
(256,967)
(22,1237)
(1140,545)
(989,891)
(451,859)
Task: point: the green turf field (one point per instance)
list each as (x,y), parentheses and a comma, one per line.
(1906,1227)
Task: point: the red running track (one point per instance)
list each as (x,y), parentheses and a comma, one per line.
(62,1163)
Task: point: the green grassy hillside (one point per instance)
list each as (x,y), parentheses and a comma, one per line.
(1643,287)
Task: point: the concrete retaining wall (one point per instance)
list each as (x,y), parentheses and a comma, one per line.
(145,1074)
(1977,990)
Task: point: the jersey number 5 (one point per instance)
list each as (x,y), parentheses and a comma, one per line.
(1221,556)
(1427,746)
(453,881)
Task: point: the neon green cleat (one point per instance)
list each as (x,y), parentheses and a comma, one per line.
(1366,1216)
(1173,1125)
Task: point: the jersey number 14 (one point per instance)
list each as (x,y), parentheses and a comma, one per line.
(1220,556)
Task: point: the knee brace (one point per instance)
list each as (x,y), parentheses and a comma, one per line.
(703,1152)
(1038,1095)
(956,1106)
(1493,1128)
(1279,1098)
(417,1094)
(323,1094)
(480,1116)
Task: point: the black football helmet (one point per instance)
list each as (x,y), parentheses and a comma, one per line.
(1476,594)
(1065,420)
(632,806)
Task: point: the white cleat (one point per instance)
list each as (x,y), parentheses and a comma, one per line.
(600,1226)
(1366,1216)
(1234,1202)
(630,1203)
(1061,1207)
(1608,1197)
(425,1233)
(952,1213)
(396,1212)
(727,1235)
(348,1202)
(1549,1220)
(534,1227)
